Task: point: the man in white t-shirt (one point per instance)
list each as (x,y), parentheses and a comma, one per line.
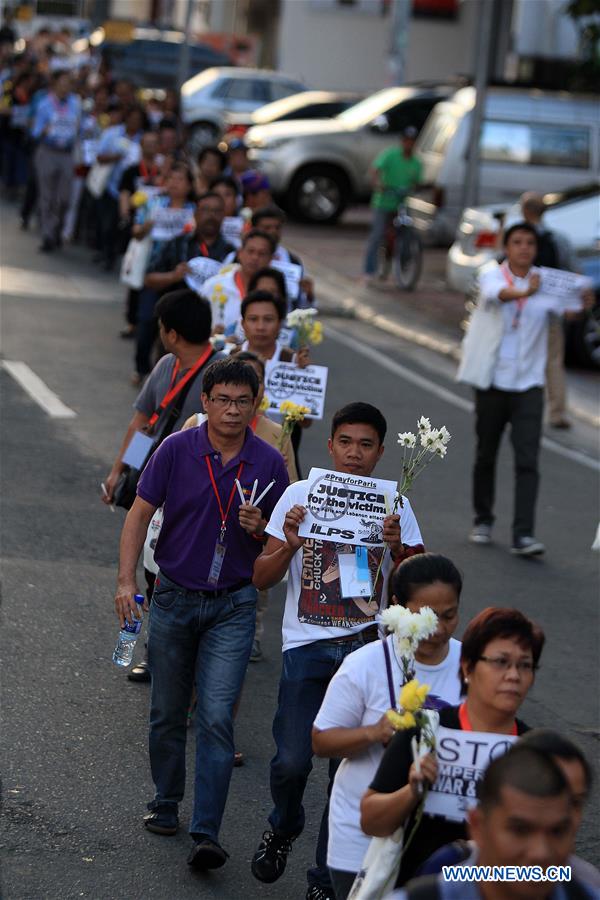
(227,289)
(352,722)
(320,628)
(515,392)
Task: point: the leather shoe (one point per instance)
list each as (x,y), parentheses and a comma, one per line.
(162,821)
(207,854)
(139,672)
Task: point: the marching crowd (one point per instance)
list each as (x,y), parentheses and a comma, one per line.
(212,481)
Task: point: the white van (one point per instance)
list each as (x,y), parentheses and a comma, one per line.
(531,140)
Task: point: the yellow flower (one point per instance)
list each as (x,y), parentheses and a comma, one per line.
(292,411)
(139,198)
(316,335)
(401,721)
(412,695)
(264,404)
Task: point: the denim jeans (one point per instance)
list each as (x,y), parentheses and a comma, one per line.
(206,641)
(305,677)
(379,224)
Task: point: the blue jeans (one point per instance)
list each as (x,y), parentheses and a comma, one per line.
(206,641)
(379,224)
(305,677)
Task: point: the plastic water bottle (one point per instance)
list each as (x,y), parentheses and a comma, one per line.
(128,635)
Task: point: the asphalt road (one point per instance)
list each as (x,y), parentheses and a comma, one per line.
(73,737)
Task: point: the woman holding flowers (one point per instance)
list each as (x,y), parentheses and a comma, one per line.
(352,722)
(500,653)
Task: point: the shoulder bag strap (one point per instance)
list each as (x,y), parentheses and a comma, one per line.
(388,669)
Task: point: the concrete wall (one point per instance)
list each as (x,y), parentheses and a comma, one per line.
(439,49)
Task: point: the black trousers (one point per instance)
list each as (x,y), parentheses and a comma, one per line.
(494,410)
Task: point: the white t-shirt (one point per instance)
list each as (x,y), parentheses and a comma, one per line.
(358,694)
(314,608)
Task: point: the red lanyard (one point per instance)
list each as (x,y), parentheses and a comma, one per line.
(145,173)
(233,490)
(520,302)
(239,285)
(465,722)
(174,390)
(203,248)
(254,423)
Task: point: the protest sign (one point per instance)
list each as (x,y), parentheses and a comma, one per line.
(346,508)
(292,274)
(567,286)
(203,268)
(231,229)
(463,757)
(307,387)
(168,223)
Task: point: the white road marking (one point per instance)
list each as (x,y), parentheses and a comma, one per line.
(38,390)
(444,394)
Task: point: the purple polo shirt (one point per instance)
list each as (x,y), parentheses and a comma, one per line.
(177,478)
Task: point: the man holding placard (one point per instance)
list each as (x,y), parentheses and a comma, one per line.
(172,267)
(336,586)
(226,290)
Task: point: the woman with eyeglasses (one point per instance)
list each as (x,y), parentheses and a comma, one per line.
(500,653)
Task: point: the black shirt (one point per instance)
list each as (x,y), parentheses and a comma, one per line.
(433,831)
(187,246)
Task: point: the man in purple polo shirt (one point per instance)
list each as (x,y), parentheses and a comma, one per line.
(204,605)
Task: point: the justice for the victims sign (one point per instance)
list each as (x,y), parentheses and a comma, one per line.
(463,757)
(306,387)
(347,509)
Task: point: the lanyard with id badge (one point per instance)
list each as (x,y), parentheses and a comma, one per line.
(355,575)
(220,546)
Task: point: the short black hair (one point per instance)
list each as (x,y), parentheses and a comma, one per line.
(421,570)
(519,226)
(265,297)
(500,622)
(257,233)
(187,313)
(215,152)
(230,371)
(269,272)
(551,742)
(207,195)
(248,357)
(360,414)
(139,111)
(524,769)
(267,212)
(227,180)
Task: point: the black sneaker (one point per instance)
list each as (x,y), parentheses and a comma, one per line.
(316,892)
(268,863)
(206,854)
(162,820)
(527,546)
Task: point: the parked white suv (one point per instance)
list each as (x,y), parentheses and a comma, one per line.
(206,97)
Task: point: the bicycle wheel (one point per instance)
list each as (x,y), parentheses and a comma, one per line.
(408,258)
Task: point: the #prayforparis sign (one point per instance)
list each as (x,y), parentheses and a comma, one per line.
(463,757)
(202,268)
(306,387)
(347,509)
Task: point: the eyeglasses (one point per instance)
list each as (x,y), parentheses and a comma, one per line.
(242,403)
(503,664)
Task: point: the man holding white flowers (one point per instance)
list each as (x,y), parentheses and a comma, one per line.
(320,628)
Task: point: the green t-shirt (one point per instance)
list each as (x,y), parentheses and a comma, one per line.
(398,174)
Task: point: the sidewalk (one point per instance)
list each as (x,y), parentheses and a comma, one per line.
(431,317)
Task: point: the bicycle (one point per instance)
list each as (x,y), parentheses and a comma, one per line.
(401,249)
